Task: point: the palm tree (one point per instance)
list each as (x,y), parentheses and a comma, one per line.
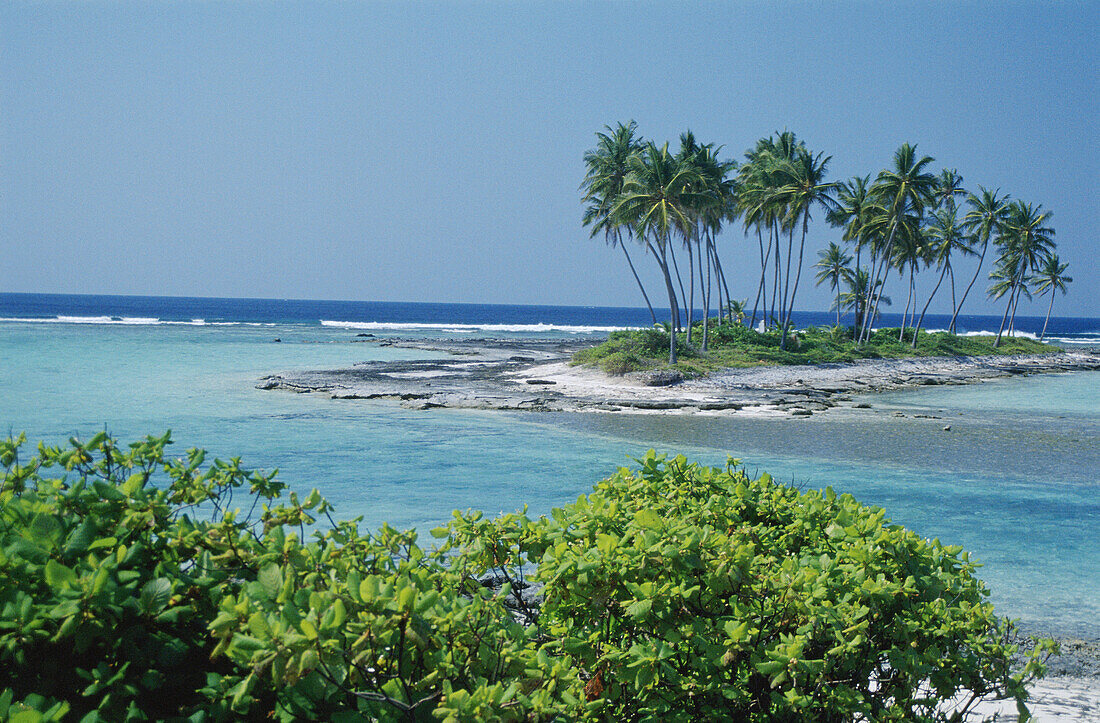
(1051,277)
(603,183)
(764,205)
(948,186)
(850,212)
(904,189)
(857,296)
(834,269)
(985,217)
(720,189)
(804,187)
(947,237)
(1026,243)
(910,250)
(656,194)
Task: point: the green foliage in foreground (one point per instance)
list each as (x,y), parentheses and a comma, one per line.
(132,588)
(734,345)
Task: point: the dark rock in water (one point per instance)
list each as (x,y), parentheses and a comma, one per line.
(277,339)
(861,405)
(521,359)
(541,381)
(366,336)
(271,382)
(659,378)
(947,428)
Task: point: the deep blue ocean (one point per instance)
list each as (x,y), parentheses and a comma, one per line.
(1016,481)
(422,317)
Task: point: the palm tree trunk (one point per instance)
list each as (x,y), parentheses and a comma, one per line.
(706,296)
(1012,319)
(713,260)
(908,300)
(640,286)
(997,341)
(836,285)
(691,286)
(763,273)
(958,309)
(877,286)
(673,305)
(951,273)
(920,321)
(721,274)
(1047,320)
(679,281)
(778,271)
(786,289)
(797,274)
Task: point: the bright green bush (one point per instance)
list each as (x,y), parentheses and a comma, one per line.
(691,593)
(132,588)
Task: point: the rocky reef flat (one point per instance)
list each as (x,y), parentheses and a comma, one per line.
(537,376)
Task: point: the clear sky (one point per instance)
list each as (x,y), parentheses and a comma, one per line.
(432,151)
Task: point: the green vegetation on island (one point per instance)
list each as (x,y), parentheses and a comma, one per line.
(735,345)
(908,219)
(134,586)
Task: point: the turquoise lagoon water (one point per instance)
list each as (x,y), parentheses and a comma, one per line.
(1015,481)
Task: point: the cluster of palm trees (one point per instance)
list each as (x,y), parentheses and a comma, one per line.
(643,196)
(909,219)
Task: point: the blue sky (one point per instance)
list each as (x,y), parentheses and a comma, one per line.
(432,151)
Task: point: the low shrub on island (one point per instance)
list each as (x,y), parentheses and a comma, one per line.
(735,345)
(132,588)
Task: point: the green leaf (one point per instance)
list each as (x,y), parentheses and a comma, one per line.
(59,576)
(155,595)
(271,580)
(639,608)
(102,542)
(81,538)
(649,519)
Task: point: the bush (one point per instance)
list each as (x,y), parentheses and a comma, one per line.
(130,588)
(691,593)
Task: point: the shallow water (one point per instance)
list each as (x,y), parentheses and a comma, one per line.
(1014,481)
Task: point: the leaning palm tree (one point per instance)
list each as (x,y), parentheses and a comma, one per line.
(804,188)
(719,188)
(656,194)
(856,297)
(834,269)
(984,219)
(1051,277)
(603,183)
(903,190)
(850,212)
(1026,243)
(910,249)
(947,238)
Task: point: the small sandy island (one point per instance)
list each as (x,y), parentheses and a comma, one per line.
(537,376)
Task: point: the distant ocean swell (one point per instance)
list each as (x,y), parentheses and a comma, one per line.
(1082,338)
(470,328)
(434,318)
(127,321)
